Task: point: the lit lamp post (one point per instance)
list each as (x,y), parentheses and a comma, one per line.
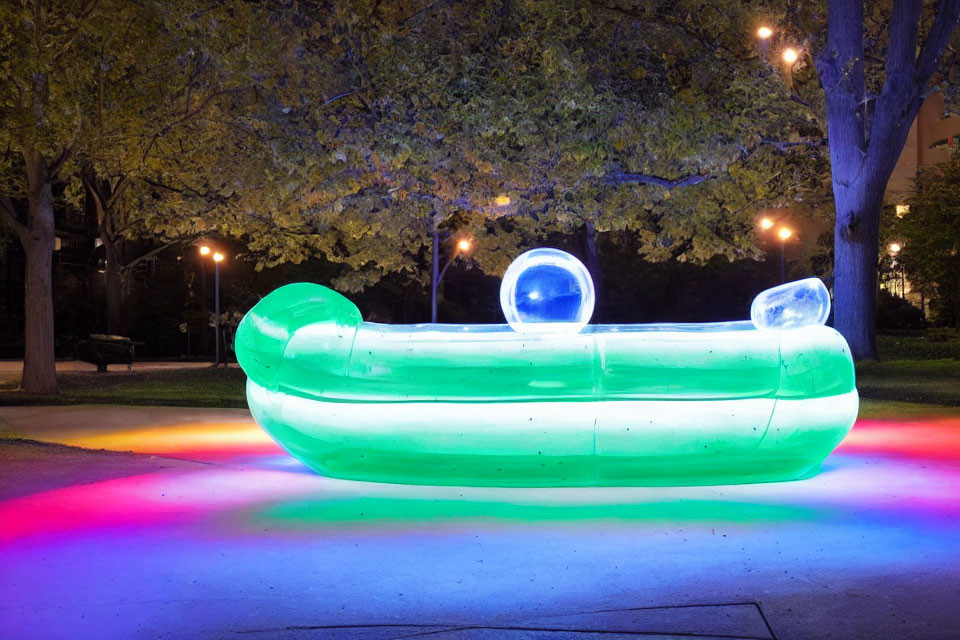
(764,34)
(789,57)
(462,246)
(217,259)
(204,252)
(783,234)
(895,248)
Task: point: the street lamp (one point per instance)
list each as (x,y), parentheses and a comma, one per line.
(764,32)
(462,246)
(204,252)
(790,55)
(217,259)
(895,248)
(784,234)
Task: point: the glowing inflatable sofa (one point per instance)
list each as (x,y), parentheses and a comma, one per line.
(546,400)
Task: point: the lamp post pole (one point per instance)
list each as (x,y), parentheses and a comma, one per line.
(216,310)
(217,259)
(434,277)
(783,260)
(462,246)
(784,233)
(897,266)
(204,252)
(204,336)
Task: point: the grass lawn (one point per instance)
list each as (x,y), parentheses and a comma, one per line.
(873,408)
(923,368)
(932,344)
(925,381)
(207,387)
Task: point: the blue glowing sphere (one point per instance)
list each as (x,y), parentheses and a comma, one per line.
(547,291)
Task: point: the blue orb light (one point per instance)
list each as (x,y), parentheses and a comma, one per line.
(547,291)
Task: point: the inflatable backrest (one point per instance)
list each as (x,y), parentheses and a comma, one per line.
(297,317)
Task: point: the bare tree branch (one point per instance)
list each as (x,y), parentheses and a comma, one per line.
(937,39)
(783,145)
(840,67)
(199,109)
(150,254)
(643,178)
(54,169)
(902,48)
(337,97)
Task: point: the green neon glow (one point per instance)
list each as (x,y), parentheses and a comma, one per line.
(484,405)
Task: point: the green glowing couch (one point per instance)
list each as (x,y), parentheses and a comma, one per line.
(663,404)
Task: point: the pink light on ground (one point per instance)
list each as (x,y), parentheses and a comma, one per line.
(928,439)
(147,501)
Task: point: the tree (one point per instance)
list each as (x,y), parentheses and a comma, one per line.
(873,69)
(86,105)
(930,238)
(589,118)
(163,119)
(39,97)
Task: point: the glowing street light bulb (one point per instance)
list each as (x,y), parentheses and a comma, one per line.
(502,201)
(217,257)
(790,55)
(766,223)
(204,250)
(785,233)
(764,32)
(463,245)
(895,247)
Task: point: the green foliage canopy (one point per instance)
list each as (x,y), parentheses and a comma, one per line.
(390,119)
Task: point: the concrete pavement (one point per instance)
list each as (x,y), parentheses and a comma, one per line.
(206,529)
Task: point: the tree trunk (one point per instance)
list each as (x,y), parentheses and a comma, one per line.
(114,287)
(39,364)
(593,264)
(856,236)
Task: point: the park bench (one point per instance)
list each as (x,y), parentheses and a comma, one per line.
(102,350)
